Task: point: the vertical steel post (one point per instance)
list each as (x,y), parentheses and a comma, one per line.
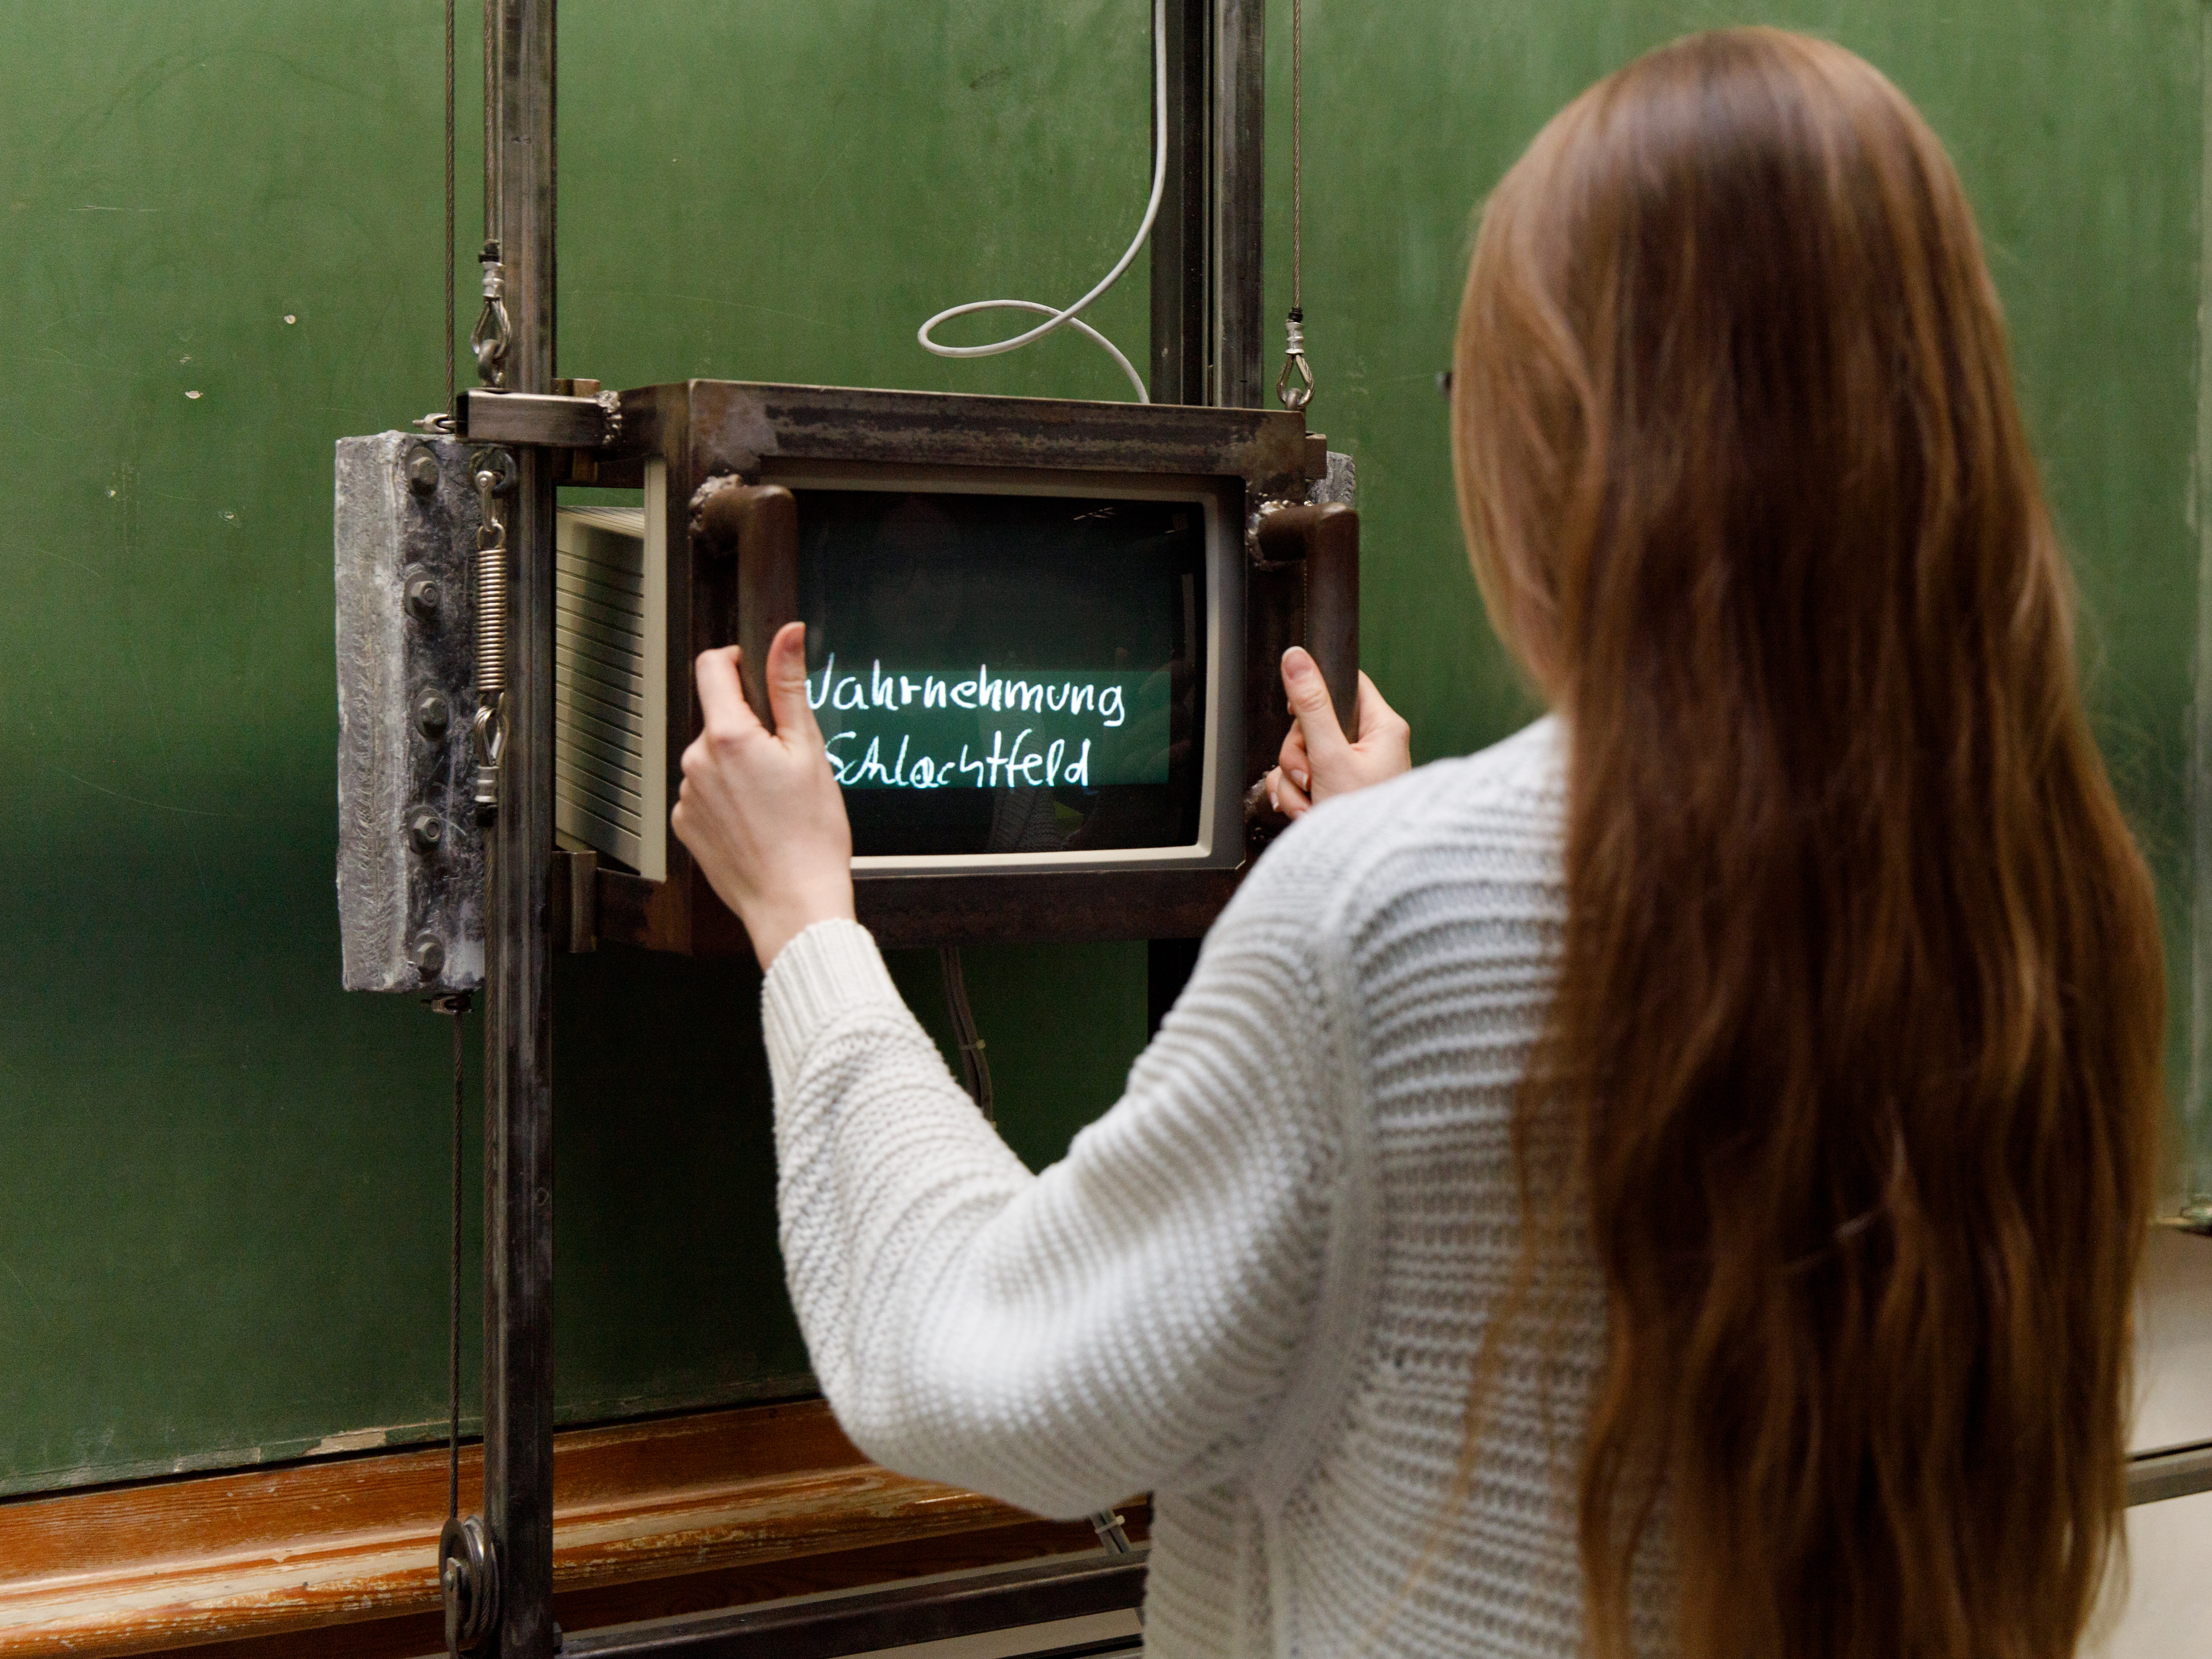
(1182,327)
(1237,123)
(1207,291)
(518,980)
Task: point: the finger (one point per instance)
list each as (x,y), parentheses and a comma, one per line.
(1372,715)
(786,687)
(722,704)
(1290,800)
(1309,704)
(1293,762)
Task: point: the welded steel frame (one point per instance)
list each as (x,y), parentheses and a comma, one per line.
(714,439)
(1207,298)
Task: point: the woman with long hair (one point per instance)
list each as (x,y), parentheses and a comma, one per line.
(1671,1183)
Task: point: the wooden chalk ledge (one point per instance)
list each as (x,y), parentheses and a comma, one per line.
(336,1557)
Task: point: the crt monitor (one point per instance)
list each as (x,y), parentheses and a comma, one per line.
(1017,674)
(1042,640)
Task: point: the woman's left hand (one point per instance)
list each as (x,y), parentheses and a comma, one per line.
(760,810)
(1318,760)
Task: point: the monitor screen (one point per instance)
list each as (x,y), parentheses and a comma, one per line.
(1008,673)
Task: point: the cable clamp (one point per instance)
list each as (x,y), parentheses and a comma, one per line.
(488,735)
(1295,396)
(492,335)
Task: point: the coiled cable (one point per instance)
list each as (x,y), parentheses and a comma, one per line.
(1070,318)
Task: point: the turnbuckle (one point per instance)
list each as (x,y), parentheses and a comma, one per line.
(493,472)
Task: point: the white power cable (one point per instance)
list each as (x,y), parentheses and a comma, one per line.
(1069,317)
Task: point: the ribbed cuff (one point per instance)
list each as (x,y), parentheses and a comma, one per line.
(826,969)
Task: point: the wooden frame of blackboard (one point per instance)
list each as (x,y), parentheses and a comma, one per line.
(730,536)
(768,1511)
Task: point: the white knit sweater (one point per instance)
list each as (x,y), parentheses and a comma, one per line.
(1256,1287)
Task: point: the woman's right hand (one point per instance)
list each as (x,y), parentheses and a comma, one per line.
(1318,760)
(760,810)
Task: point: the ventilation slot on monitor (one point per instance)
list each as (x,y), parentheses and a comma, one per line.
(610,672)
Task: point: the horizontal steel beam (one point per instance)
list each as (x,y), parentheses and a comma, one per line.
(2179,1474)
(532,417)
(827,1626)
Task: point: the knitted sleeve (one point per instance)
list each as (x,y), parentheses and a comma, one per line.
(1128,1319)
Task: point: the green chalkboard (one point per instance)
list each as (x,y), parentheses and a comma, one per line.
(222,1180)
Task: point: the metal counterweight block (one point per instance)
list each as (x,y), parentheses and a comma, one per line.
(410,872)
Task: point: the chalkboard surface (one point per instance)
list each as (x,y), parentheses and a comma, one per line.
(223,1181)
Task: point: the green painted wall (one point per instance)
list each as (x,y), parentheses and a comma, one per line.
(221,1181)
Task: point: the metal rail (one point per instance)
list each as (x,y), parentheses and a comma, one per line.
(1206,267)
(520,185)
(2181,1473)
(827,1626)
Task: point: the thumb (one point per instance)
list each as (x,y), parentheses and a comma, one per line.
(1310,706)
(784,672)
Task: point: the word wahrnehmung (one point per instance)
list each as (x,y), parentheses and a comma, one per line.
(1058,696)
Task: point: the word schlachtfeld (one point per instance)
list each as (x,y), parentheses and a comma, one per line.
(1039,768)
(937,731)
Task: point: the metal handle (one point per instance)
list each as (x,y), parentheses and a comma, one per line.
(1323,537)
(759,524)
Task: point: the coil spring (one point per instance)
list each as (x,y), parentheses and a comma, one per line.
(491,582)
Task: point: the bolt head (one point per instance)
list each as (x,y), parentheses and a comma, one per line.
(427,829)
(427,953)
(424,595)
(423,472)
(433,715)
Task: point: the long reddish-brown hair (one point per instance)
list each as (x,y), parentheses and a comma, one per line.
(1856,1046)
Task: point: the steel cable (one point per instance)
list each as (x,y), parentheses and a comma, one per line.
(451,407)
(453,1284)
